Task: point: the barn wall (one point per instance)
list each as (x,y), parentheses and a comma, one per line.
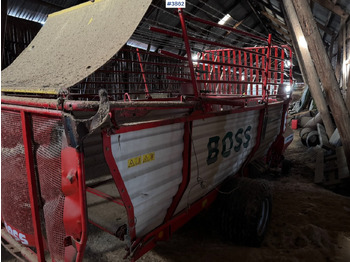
(18,34)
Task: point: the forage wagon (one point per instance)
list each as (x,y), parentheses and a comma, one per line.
(98,129)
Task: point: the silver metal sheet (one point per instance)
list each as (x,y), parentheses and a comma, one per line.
(272,130)
(205,176)
(150,162)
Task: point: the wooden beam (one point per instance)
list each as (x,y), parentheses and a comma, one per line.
(339,48)
(343,21)
(329,17)
(325,29)
(332,7)
(348,66)
(274,19)
(257,15)
(325,72)
(283,33)
(330,50)
(238,24)
(348,89)
(306,66)
(269,6)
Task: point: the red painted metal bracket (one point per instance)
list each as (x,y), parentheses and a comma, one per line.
(143,73)
(185,171)
(104,196)
(32,188)
(118,180)
(188,51)
(74,213)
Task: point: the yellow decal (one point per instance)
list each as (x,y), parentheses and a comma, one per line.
(134,161)
(90,21)
(141,160)
(148,157)
(74,8)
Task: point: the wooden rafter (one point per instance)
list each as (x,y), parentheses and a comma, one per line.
(325,29)
(332,7)
(280,31)
(274,19)
(257,15)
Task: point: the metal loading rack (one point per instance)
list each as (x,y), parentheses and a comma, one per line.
(222,70)
(137,152)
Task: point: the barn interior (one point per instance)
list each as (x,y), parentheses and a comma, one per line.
(311,204)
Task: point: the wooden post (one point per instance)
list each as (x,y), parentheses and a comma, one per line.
(325,72)
(331,48)
(343,21)
(307,67)
(348,67)
(338,65)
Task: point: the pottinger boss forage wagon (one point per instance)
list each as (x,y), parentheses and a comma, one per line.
(81,143)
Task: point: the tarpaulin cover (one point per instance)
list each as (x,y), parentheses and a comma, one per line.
(72,44)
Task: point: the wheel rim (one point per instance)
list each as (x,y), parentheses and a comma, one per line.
(264,217)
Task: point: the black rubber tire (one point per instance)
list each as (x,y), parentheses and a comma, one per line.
(245,211)
(286,167)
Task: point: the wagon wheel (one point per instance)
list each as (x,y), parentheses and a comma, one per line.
(245,211)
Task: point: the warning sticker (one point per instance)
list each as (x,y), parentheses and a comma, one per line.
(134,161)
(141,159)
(148,157)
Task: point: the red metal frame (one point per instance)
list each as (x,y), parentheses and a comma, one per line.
(105,196)
(83,209)
(222,88)
(143,73)
(33,192)
(188,51)
(26,113)
(118,180)
(38,111)
(185,171)
(163,232)
(75,211)
(267,66)
(227,28)
(200,40)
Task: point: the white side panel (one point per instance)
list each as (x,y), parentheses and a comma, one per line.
(153,183)
(272,130)
(212,162)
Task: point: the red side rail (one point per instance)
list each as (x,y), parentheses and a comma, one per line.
(72,188)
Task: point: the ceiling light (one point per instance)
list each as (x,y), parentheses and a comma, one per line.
(287,63)
(224,19)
